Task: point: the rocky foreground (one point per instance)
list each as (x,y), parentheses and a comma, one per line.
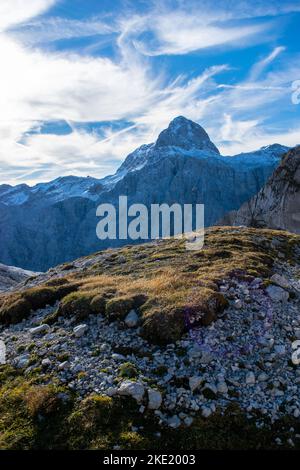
(226,376)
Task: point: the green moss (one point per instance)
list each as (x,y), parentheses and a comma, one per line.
(62,357)
(98,304)
(24,406)
(164,326)
(38,416)
(77,305)
(17,306)
(129,370)
(14,309)
(39,297)
(119,307)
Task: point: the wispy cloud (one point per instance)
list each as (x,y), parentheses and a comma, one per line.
(179,33)
(13,12)
(39,83)
(261,65)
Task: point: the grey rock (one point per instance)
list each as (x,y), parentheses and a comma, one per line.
(188,421)
(276,205)
(174,422)
(154,399)
(133,389)
(23,361)
(46,362)
(131,319)
(206,412)
(112,391)
(2,352)
(10,276)
(79,330)
(262,377)
(250,378)
(222,387)
(280,350)
(195,382)
(117,357)
(39,329)
(63,365)
(238,304)
(281,281)
(277,294)
(206,358)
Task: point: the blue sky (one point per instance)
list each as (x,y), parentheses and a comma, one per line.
(83,83)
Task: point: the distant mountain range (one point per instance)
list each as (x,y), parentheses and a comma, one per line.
(55,222)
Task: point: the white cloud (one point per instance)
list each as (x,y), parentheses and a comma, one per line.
(260,66)
(236,131)
(83,153)
(13,12)
(54,29)
(254,137)
(181,33)
(38,85)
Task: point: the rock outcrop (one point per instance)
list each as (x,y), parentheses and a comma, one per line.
(277,204)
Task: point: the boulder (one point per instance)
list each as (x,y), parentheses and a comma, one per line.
(79,330)
(154,399)
(132,389)
(131,319)
(277,294)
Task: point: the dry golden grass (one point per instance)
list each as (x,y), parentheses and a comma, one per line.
(162,279)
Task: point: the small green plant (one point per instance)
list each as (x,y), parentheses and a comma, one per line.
(129,370)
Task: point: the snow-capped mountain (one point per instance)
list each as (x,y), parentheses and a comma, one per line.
(53,222)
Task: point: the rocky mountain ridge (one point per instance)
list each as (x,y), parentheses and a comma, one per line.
(55,222)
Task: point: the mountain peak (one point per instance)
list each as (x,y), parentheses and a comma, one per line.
(186,134)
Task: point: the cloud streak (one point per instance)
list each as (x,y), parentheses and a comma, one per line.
(41,84)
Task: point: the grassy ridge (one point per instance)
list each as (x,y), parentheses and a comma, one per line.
(161,280)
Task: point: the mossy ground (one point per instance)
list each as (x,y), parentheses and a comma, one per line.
(163,280)
(39,416)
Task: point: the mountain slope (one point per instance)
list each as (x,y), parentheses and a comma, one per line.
(11,276)
(277,205)
(157,346)
(56,222)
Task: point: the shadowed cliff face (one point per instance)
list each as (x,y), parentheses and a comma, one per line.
(56,222)
(277,205)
